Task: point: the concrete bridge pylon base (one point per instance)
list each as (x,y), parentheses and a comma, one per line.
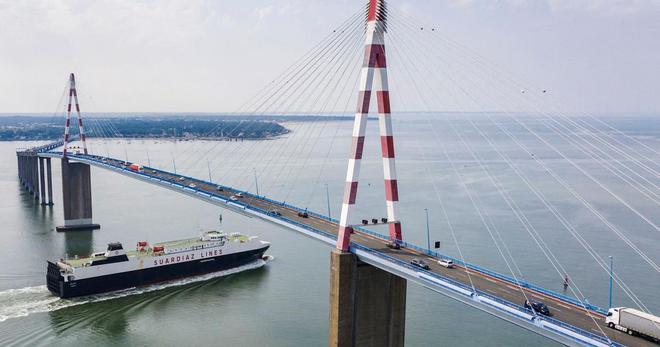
(367,304)
(77,197)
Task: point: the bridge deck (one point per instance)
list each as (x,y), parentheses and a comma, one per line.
(563,311)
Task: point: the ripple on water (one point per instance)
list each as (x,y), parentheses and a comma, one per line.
(21,302)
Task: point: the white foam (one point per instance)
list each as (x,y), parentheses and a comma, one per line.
(21,302)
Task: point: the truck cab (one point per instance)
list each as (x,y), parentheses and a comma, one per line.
(612,318)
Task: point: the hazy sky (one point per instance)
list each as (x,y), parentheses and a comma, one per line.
(209,56)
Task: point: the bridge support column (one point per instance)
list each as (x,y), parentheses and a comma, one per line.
(49,179)
(42,180)
(367,304)
(77,197)
(19,159)
(34,177)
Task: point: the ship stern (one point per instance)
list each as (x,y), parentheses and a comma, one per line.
(54,279)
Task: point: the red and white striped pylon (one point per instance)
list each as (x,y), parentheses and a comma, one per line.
(374,74)
(73,95)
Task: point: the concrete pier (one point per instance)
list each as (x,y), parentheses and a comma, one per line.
(77,196)
(35,176)
(28,172)
(42,180)
(367,304)
(49,179)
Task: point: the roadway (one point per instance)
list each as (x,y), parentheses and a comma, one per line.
(572,314)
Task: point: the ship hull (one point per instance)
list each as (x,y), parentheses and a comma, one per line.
(111,282)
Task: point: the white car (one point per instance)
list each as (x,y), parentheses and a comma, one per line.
(233,198)
(192,185)
(446,263)
(181,178)
(239,195)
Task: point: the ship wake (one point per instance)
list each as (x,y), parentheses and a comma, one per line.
(22,302)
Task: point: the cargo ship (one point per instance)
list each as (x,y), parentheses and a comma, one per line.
(116,269)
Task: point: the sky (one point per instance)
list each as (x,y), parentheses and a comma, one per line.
(211,56)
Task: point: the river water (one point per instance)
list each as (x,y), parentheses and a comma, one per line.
(284,301)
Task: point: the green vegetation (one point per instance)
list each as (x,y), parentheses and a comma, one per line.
(17,128)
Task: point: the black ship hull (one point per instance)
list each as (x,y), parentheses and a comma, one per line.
(106,283)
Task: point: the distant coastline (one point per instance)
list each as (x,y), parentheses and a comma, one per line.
(33,128)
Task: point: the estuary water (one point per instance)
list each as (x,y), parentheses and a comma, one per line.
(284,301)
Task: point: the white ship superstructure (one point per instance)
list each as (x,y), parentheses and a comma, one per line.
(116,269)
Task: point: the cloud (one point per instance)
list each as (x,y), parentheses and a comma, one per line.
(607,7)
(265,11)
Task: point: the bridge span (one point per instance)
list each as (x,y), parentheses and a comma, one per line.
(572,323)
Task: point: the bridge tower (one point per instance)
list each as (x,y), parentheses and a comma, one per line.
(76,176)
(367,304)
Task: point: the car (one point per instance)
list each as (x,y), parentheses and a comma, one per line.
(239,195)
(275,212)
(219,188)
(448,263)
(393,245)
(181,178)
(537,306)
(233,198)
(303,214)
(420,263)
(154,171)
(192,185)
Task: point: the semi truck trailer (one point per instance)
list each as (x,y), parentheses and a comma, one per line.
(634,322)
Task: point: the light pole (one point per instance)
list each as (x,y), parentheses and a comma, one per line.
(256,183)
(611,261)
(174,164)
(208,165)
(327,198)
(428,234)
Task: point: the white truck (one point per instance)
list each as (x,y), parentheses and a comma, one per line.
(634,322)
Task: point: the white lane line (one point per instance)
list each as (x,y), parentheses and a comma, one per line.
(554,308)
(490,280)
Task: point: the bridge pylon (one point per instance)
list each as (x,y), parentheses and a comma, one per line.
(367,304)
(76,177)
(73,97)
(372,77)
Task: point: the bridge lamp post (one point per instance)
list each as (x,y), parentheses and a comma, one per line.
(611,261)
(327,198)
(428,233)
(208,165)
(256,182)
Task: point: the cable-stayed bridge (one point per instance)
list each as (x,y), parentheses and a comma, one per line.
(364,294)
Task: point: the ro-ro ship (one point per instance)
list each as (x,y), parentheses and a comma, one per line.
(117,269)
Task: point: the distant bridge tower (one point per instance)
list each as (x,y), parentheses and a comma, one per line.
(73,96)
(76,177)
(367,304)
(373,77)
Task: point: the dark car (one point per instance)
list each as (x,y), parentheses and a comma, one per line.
(276,212)
(537,307)
(303,214)
(420,263)
(393,245)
